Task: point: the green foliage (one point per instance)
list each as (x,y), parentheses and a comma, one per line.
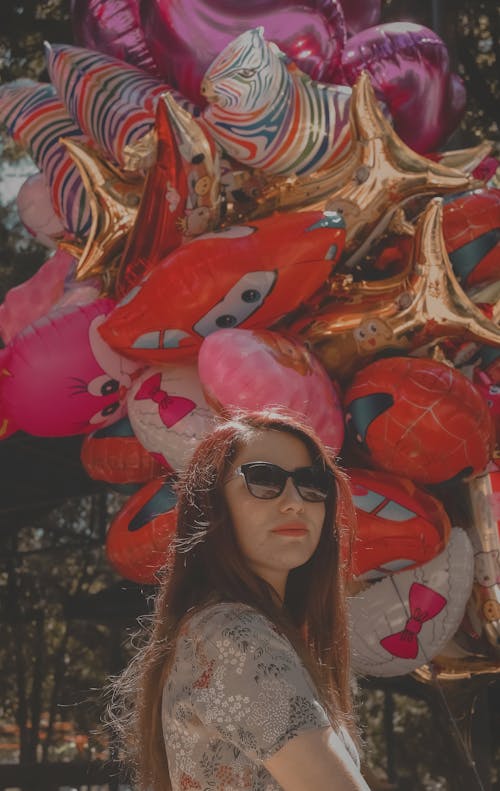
(54,665)
(24,26)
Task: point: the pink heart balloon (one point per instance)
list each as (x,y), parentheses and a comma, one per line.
(186,35)
(410,71)
(113,27)
(360,14)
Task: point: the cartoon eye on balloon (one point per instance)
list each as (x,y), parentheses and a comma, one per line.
(240,302)
(242,276)
(80,382)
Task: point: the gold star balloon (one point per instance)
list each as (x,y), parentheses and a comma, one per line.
(114,201)
(423,304)
(378,174)
(466,159)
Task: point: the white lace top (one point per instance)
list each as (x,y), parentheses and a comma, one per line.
(236,693)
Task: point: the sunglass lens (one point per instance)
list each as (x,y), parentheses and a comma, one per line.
(264,480)
(313,484)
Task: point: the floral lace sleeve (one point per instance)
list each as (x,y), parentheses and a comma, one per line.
(249,683)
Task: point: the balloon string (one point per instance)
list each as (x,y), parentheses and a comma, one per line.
(437,685)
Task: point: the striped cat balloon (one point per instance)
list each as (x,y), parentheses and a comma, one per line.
(268,114)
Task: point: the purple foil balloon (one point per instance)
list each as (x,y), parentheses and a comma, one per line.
(410,71)
(114,28)
(360,14)
(185,36)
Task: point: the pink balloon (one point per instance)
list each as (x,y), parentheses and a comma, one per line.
(60,378)
(34,204)
(186,35)
(32,299)
(113,27)
(253,369)
(410,70)
(360,14)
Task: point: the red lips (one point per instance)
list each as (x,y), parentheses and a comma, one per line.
(291,529)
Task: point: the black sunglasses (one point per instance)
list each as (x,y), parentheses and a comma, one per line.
(267,481)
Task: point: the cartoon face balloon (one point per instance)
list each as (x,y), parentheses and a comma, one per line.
(61,378)
(398,525)
(168,413)
(139,537)
(403,621)
(244,276)
(254,369)
(401,409)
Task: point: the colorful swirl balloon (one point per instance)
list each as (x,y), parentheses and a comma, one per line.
(114,103)
(36,118)
(268,114)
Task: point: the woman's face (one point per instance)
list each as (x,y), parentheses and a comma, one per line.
(275,535)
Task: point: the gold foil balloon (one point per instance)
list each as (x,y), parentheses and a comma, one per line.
(483,496)
(114,201)
(376,176)
(464,159)
(417,307)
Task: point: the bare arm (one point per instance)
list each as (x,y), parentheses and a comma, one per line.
(317,759)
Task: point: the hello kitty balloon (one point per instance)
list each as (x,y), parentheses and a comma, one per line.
(168,412)
(60,378)
(405,620)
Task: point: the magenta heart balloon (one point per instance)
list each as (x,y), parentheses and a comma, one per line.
(360,14)
(112,27)
(410,70)
(186,35)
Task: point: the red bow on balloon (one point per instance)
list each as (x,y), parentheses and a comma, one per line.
(425,604)
(170,408)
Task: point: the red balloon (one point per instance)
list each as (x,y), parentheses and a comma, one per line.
(398,525)
(140,535)
(419,418)
(115,455)
(186,35)
(243,276)
(471,228)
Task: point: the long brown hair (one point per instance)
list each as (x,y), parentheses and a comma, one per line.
(207,566)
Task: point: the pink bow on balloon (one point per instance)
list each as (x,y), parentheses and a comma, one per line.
(170,408)
(425,604)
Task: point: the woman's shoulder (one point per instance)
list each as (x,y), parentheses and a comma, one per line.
(232,620)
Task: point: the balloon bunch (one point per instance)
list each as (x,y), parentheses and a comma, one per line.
(253,218)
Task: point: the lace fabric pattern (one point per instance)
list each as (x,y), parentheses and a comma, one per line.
(236,693)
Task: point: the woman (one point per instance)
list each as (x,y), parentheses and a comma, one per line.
(244,681)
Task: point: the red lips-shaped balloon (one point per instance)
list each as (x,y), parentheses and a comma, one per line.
(185,36)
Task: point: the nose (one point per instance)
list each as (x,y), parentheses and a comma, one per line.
(290,499)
